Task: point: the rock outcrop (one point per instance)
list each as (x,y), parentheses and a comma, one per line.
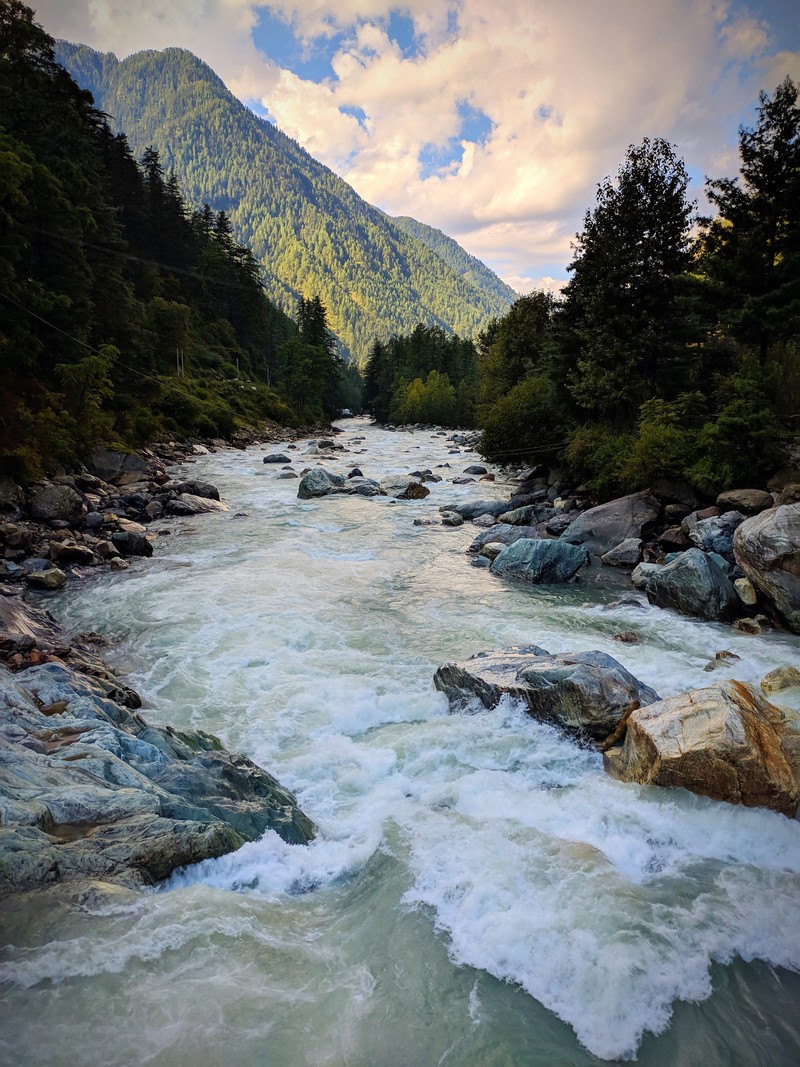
(586,693)
(600,529)
(767,548)
(726,741)
(89,790)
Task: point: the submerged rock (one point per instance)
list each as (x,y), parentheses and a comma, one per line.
(586,693)
(404,487)
(724,741)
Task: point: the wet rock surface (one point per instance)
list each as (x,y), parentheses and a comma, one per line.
(586,693)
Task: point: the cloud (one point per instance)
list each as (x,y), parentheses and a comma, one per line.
(499,119)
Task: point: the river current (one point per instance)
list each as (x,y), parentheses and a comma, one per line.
(480,893)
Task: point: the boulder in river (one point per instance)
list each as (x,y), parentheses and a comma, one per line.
(748,501)
(131,543)
(189,504)
(725,741)
(539,562)
(528,515)
(626,554)
(715,534)
(600,529)
(90,790)
(319,482)
(693,584)
(767,548)
(586,693)
(470,509)
(501,531)
(404,487)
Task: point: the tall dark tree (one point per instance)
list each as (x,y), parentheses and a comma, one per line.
(623,301)
(751,250)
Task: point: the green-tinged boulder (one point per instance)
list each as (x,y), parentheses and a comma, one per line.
(539,562)
(693,584)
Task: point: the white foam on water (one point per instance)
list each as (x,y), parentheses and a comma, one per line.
(310,645)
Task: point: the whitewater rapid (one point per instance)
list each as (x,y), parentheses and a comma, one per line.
(480,892)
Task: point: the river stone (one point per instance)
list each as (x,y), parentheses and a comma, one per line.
(361,487)
(476,468)
(626,554)
(724,741)
(528,515)
(276,457)
(492,550)
(118,468)
(715,534)
(451,518)
(504,533)
(130,543)
(748,501)
(586,693)
(57,502)
(319,482)
(767,548)
(404,487)
(746,592)
(470,509)
(599,529)
(12,497)
(540,562)
(49,578)
(195,488)
(693,584)
(189,504)
(780,678)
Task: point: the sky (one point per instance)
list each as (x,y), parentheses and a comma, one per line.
(492,120)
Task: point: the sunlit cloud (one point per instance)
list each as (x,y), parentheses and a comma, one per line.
(491,122)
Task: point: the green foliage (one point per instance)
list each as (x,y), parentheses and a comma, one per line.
(424,376)
(307,228)
(108,282)
(524,425)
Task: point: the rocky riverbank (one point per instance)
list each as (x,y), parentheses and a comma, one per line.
(93,798)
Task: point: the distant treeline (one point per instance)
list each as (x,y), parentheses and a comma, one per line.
(125,315)
(673,351)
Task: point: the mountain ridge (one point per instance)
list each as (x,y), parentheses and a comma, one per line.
(310,230)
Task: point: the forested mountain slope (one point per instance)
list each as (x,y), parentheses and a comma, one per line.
(470,268)
(314,235)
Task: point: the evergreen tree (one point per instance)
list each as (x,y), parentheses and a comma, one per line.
(623,299)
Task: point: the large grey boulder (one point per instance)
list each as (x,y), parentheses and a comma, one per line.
(626,554)
(539,562)
(600,529)
(586,693)
(767,548)
(118,468)
(88,789)
(715,534)
(57,502)
(725,741)
(693,584)
(319,482)
(195,488)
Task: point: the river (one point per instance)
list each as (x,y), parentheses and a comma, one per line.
(480,893)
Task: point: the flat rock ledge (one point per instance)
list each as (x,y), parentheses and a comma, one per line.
(585,693)
(725,741)
(90,792)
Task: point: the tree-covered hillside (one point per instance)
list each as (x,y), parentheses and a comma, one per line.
(124,313)
(311,231)
(451,252)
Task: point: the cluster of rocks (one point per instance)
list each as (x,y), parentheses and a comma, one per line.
(736,561)
(726,741)
(96,517)
(94,796)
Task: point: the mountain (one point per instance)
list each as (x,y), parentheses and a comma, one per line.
(451,252)
(311,231)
